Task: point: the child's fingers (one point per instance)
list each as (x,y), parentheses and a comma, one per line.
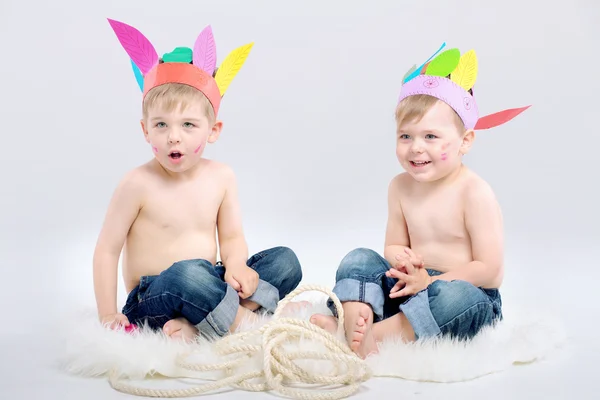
(410,253)
(245,292)
(234,283)
(404,292)
(245,287)
(410,269)
(123,320)
(394,273)
(399,285)
(415,260)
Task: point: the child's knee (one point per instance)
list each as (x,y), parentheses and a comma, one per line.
(288,265)
(360,262)
(460,308)
(456,294)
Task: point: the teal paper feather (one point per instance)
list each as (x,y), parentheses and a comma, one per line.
(138,75)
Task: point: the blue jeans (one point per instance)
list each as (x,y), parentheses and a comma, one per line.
(196,290)
(456,309)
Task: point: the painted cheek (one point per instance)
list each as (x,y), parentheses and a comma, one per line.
(198,149)
(155,149)
(445,155)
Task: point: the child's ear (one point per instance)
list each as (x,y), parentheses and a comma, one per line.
(144,130)
(467,141)
(215,132)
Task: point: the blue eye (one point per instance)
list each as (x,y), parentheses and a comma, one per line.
(160,125)
(189,125)
(430,136)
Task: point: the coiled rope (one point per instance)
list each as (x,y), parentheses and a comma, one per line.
(279,371)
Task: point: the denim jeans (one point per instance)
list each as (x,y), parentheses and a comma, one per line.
(456,309)
(196,290)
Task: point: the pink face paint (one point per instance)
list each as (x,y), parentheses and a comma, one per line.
(155,149)
(198,149)
(444,156)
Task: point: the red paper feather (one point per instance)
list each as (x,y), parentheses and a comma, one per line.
(499,118)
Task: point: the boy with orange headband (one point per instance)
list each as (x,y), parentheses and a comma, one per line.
(443,256)
(168,213)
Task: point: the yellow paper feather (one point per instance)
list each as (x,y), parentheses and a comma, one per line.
(231,65)
(465,73)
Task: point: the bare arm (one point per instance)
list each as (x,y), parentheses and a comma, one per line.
(483,220)
(396,234)
(122,211)
(232,243)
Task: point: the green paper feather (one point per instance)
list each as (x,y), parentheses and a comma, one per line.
(180,54)
(444,64)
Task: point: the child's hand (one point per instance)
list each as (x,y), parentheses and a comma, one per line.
(411,257)
(243,279)
(115,320)
(410,282)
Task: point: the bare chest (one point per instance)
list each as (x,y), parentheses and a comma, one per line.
(438,218)
(181,210)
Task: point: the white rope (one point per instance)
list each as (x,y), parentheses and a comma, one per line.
(279,371)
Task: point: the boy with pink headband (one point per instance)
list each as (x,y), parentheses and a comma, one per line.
(169,212)
(443,257)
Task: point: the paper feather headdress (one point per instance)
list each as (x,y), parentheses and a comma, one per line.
(450,77)
(194,67)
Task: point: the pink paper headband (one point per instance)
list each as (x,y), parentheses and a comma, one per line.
(195,68)
(449,77)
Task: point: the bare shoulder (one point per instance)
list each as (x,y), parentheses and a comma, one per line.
(136,180)
(400,184)
(222,171)
(476,189)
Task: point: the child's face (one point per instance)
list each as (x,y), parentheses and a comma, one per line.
(178,138)
(433,147)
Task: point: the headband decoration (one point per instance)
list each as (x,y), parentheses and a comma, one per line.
(195,67)
(450,77)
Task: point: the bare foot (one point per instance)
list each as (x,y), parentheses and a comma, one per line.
(180,328)
(358,325)
(326,322)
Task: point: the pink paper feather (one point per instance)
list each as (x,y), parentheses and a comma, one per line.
(499,118)
(137,46)
(205,51)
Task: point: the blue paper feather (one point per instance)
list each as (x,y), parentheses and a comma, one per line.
(417,72)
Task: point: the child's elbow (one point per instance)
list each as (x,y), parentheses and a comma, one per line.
(496,274)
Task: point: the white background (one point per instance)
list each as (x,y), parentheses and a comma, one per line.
(309,129)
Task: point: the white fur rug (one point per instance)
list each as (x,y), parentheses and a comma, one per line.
(521,338)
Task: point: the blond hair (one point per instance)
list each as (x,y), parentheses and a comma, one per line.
(413,109)
(170,96)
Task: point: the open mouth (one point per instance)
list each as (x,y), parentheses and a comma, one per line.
(175,155)
(419,163)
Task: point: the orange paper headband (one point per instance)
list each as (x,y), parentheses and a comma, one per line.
(194,68)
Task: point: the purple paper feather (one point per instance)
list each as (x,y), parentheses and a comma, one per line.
(205,51)
(137,46)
